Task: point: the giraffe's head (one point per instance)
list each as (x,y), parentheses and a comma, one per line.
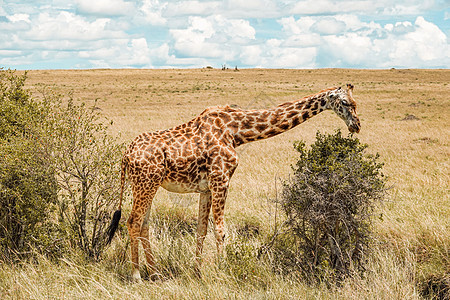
(342,102)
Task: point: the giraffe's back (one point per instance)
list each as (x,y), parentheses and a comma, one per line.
(184,155)
(178,158)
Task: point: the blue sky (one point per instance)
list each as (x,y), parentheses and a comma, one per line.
(74,34)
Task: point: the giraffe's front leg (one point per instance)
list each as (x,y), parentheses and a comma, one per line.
(202,227)
(222,168)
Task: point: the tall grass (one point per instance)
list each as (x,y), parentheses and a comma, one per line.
(388,277)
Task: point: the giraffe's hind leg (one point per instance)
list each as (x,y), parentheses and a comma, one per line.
(202,227)
(145,240)
(143,197)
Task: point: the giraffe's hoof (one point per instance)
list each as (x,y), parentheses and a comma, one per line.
(136,276)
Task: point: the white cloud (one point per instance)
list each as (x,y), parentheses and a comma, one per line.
(65,36)
(14,27)
(201,26)
(193,40)
(248,5)
(68,26)
(122,53)
(191,8)
(291,57)
(367,7)
(292,26)
(413,7)
(251,8)
(251,55)
(303,40)
(349,49)
(240,28)
(426,44)
(274,54)
(105,7)
(353,23)
(10,53)
(136,54)
(231,8)
(274,43)
(402,28)
(328,26)
(19,59)
(212,37)
(161,53)
(19,17)
(152,11)
(360,44)
(320,7)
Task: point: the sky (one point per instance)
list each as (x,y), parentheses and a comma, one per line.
(86,34)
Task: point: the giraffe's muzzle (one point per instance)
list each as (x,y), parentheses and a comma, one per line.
(355,127)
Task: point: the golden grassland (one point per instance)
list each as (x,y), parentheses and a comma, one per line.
(405,116)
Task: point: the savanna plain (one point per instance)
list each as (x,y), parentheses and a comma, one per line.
(405,117)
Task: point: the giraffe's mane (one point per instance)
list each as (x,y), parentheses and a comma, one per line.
(321,92)
(228,108)
(308,97)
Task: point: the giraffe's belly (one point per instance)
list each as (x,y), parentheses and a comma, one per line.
(199,186)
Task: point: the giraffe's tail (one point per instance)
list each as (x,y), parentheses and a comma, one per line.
(111,230)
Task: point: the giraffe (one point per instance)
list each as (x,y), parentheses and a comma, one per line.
(200,157)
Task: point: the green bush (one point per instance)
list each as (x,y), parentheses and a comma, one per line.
(328,204)
(28,188)
(59,172)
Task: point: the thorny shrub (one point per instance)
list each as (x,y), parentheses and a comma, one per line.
(328,203)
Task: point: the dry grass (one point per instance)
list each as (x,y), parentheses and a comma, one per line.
(413,228)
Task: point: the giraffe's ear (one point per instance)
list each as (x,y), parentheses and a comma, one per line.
(350,89)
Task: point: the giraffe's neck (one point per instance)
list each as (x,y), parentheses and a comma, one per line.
(261,124)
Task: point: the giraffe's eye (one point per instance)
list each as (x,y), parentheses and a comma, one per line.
(344,102)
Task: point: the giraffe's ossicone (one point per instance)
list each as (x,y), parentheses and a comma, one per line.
(200,157)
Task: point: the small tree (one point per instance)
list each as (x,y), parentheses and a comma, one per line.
(86,159)
(328,204)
